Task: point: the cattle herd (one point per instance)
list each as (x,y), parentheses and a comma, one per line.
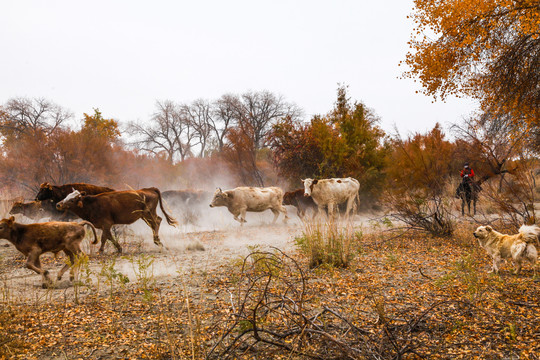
(103,207)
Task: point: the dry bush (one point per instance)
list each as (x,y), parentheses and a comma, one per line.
(512,198)
(422,211)
(417,171)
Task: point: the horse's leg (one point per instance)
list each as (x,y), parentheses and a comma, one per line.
(463,205)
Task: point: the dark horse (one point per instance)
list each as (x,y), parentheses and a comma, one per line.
(468,190)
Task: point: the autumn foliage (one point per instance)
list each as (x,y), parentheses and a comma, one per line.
(487,49)
(345,142)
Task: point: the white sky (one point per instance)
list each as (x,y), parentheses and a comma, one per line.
(122,56)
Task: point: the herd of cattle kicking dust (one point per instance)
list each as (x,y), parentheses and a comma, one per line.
(58,219)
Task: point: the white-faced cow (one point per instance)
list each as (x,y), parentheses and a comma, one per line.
(332,192)
(35,239)
(59,192)
(117,207)
(242,199)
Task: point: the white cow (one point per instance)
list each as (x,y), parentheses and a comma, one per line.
(332,192)
(242,199)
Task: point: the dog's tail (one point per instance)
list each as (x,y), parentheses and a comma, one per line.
(530,233)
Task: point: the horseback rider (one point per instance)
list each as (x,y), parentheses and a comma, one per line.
(468,189)
(467,174)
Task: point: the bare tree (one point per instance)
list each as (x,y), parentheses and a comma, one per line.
(168,132)
(255,113)
(199,116)
(493,139)
(28,116)
(222,119)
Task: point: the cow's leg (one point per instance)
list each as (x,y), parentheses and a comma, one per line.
(276,215)
(243,214)
(235,216)
(350,203)
(284,211)
(104,238)
(154,222)
(321,211)
(107,235)
(33,263)
(330,209)
(71,264)
(314,213)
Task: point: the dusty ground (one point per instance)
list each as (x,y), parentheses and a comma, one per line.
(214,240)
(404,296)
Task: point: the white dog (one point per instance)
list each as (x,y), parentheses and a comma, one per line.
(519,247)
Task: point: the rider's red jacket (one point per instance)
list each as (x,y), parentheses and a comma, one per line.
(469,172)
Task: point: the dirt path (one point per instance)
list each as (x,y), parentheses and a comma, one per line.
(189,250)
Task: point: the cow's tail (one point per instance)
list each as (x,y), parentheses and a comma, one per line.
(84,222)
(170,220)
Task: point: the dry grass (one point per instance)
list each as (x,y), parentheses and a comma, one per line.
(328,243)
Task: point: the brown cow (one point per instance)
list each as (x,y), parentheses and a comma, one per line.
(35,239)
(300,202)
(57,193)
(6,204)
(117,207)
(39,210)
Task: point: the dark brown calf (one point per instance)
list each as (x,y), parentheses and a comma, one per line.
(300,202)
(39,209)
(57,193)
(187,203)
(117,207)
(185,198)
(35,239)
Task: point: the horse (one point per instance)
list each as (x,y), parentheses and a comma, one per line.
(468,191)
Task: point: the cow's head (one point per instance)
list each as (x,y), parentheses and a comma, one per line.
(17,208)
(220,198)
(71,201)
(5,228)
(308,186)
(45,192)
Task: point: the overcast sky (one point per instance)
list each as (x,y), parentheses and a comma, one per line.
(122,56)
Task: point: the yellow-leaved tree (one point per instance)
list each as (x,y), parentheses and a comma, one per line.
(487,49)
